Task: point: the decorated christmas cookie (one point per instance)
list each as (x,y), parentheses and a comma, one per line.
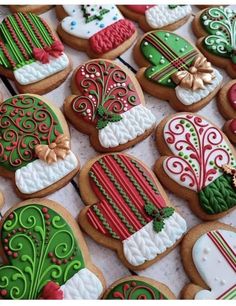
(149,17)
(227,107)
(45,255)
(172,69)
(36,9)
(209,258)
(31,54)
(198,164)
(108,106)
(99,30)
(138,288)
(128,210)
(215,27)
(35,146)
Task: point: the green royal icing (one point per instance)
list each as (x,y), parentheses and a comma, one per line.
(135,290)
(167,53)
(93,12)
(220,24)
(25,121)
(40,247)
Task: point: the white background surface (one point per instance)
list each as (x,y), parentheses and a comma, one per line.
(169,270)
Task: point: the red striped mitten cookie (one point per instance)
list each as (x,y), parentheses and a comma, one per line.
(99,30)
(128,210)
(31,54)
(45,255)
(209,257)
(35,146)
(109,106)
(172,69)
(150,17)
(227,106)
(195,164)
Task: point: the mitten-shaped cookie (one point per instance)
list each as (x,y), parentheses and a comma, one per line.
(138,288)
(196,162)
(172,69)
(35,146)
(45,255)
(31,54)
(209,257)
(150,17)
(108,106)
(37,9)
(99,30)
(227,106)
(215,27)
(128,210)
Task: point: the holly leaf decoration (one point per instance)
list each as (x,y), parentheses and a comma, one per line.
(167,212)
(106,117)
(158,225)
(101,124)
(101,110)
(150,209)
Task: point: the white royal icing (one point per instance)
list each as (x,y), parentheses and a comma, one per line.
(37,71)
(213,267)
(133,124)
(75,24)
(161,15)
(146,244)
(189,97)
(84,285)
(39,175)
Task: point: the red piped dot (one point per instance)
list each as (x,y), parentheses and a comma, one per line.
(11,216)
(44,210)
(9,253)
(6,248)
(50,254)
(47,216)
(54,260)
(3,292)
(15,255)
(6,240)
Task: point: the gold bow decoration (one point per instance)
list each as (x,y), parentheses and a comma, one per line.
(197,76)
(231,171)
(55,150)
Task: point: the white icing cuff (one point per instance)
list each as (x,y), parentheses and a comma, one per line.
(39,175)
(38,71)
(146,244)
(160,15)
(189,97)
(84,285)
(133,124)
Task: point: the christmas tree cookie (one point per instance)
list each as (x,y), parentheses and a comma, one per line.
(108,105)
(215,28)
(172,69)
(31,54)
(128,210)
(150,17)
(208,253)
(35,146)
(45,255)
(198,164)
(227,106)
(99,30)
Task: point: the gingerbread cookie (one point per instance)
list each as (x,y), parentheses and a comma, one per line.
(1,199)
(128,210)
(99,30)
(138,288)
(172,69)
(195,162)
(150,17)
(209,257)
(227,106)
(31,54)
(215,28)
(36,9)
(109,106)
(45,255)
(35,146)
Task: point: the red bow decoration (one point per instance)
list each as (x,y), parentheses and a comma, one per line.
(42,54)
(51,291)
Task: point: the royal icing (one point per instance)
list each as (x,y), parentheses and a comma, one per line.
(135,289)
(218,23)
(131,209)
(232,96)
(30,49)
(200,151)
(110,102)
(214,256)
(40,247)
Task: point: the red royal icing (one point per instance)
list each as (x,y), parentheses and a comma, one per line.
(140,9)
(232,126)
(51,291)
(232,96)
(42,55)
